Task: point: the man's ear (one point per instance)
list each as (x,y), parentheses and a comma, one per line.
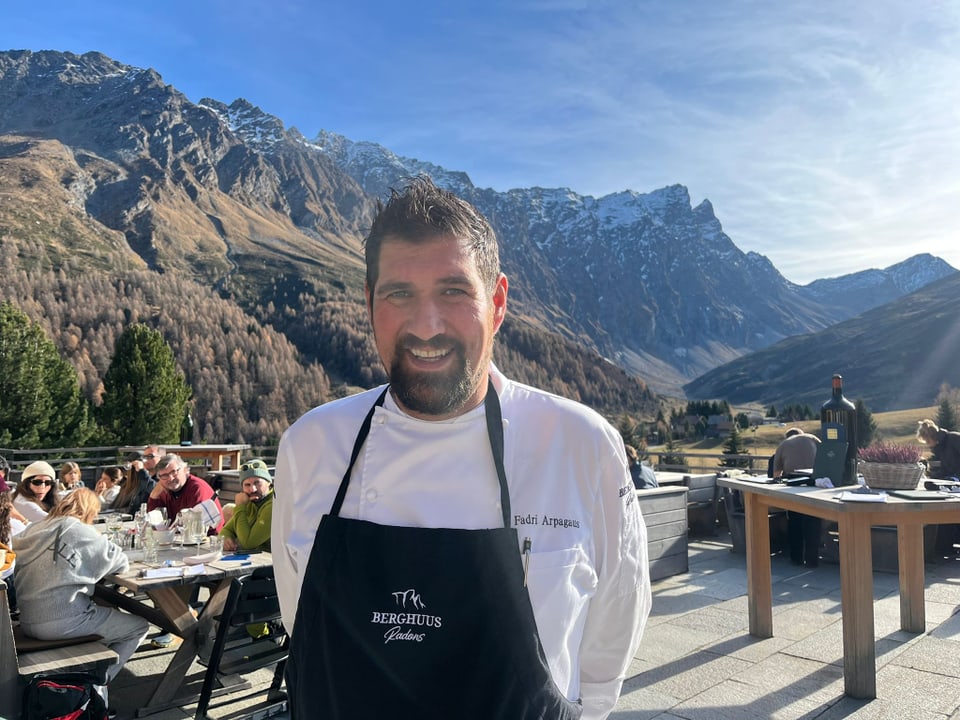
(499,299)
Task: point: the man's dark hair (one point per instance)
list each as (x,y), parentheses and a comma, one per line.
(421,212)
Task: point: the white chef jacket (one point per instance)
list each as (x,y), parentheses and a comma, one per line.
(570,493)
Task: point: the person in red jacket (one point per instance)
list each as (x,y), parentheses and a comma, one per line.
(177,490)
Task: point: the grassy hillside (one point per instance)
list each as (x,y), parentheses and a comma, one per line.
(898,426)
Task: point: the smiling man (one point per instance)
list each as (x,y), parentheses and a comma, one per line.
(454,544)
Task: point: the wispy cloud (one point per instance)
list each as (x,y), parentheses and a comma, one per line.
(826,135)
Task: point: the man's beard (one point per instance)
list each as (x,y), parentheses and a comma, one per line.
(439,393)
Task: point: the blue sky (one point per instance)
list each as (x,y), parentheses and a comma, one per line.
(826,135)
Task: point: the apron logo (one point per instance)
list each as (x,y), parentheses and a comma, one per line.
(414,597)
(406,624)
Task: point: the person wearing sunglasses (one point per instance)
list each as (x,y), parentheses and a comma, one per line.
(35,495)
(151,456)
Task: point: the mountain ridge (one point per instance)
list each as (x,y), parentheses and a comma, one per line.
(226,195)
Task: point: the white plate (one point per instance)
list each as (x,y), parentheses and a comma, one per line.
(200,559)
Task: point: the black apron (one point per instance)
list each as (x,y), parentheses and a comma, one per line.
(419,623)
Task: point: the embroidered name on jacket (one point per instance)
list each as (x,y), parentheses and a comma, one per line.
(407,623)
(545,521)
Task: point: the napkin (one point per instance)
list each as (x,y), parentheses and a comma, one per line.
(823,482)
(169,572)
(211,513)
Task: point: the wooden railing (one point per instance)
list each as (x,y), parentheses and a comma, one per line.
(103,456)
(703,462)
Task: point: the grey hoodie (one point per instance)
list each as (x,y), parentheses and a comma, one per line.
(59,561)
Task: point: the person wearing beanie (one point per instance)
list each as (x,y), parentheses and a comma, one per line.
(250,527)
(35,496)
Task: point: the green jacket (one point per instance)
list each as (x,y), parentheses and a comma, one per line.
(250,524)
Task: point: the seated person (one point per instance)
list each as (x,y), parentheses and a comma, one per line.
(59,561)
(249,528)
(643,475)
(177,490)
(108,486)
(945,446)
(69,478)
(4,473)
(35,496)
(136,487)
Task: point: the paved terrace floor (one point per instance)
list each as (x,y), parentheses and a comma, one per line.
(697,660)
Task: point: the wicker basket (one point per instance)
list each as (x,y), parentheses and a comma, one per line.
(891,476)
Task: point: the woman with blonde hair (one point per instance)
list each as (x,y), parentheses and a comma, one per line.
(59,561)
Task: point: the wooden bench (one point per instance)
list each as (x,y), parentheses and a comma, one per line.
(884,545)
(664,511)
(703,500)
(733,509)
(21,658)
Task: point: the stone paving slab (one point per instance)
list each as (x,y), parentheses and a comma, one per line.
(697,660)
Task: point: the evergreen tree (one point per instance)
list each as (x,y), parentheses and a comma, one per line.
(735,446)
(145,395)
(772,411)
(866,425)
(41,404)
(672,457)
(946,418)
(628,430)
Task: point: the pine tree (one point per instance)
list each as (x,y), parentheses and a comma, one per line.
(41,404)
(946,418)
(672,458)
(735,446)
(145,395)
(866,425)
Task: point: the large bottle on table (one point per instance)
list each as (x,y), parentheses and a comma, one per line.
(186,429)
(838,421)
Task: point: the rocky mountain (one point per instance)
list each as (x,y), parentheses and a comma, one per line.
(227,196)
(893,357)
(861,291)
(645,279)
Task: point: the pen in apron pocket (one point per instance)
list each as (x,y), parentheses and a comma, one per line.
(526,558)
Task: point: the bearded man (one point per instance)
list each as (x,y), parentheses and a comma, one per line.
(453,544)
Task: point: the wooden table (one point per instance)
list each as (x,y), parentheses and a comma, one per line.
(170,609)
(211,457)
(854,520)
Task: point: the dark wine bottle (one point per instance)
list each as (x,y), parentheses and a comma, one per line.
(186,429)
(838,421)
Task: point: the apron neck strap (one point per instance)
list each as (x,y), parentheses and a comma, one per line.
(491,406)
